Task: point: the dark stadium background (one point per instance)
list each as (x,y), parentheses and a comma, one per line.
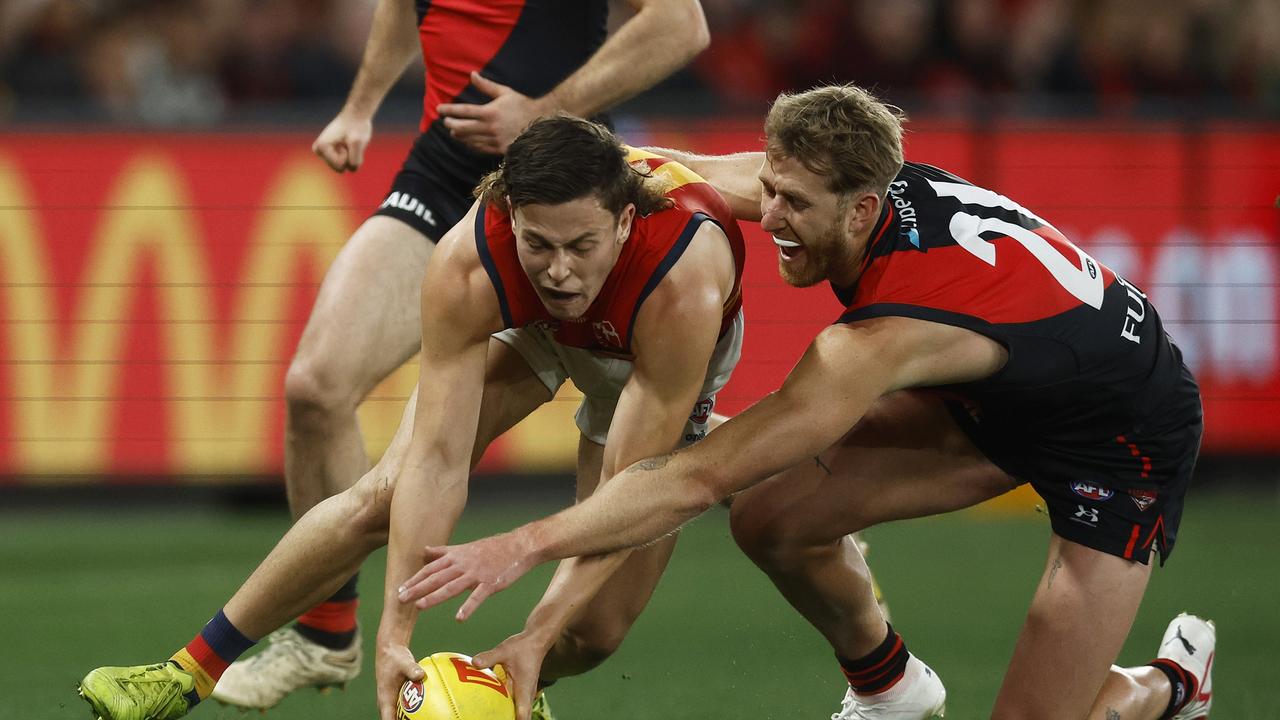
(163,228)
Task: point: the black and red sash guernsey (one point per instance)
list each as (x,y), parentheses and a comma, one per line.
(1088,356)
(529,45)
(656,242)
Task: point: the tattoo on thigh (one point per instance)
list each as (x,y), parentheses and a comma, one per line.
(1053,573)
(1112,714)
(821,464)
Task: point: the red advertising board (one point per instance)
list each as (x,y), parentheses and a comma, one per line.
(152,288)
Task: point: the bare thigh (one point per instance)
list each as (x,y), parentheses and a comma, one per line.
(511,393)
(906,458)
(366,318)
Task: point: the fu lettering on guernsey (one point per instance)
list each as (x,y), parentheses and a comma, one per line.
(1136,312)
(1089,491)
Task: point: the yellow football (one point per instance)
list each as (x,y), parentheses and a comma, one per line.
(454,689)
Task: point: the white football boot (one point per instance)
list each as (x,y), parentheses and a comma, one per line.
(289,662)
(1189,641)
(917,696)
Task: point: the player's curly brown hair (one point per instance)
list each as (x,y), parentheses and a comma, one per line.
(562,158)
(841,132)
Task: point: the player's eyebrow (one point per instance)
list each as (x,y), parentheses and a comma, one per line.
(535,235)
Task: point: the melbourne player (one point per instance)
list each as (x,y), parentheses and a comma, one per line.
(572,265)
(978,349)
(491,68)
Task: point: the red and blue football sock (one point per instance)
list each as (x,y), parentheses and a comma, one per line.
(207,656)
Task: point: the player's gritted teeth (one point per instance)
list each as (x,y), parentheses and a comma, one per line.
(788,249)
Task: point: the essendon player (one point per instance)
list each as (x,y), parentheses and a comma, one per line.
(491,67)
(979,349)
(579,261)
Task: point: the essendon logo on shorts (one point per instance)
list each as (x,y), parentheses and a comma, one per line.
(1143,498)
(702,410)
(411,696)
(1089,491)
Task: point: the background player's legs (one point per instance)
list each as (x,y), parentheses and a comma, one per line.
(598,629)
(1079,618)
(365,323)
(905,458)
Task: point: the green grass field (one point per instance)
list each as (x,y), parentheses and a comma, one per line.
(81,589)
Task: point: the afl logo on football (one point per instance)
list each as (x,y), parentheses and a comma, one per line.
(411,696)
(1090,491)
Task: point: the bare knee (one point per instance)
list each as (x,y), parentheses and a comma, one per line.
(773,538)
(590,644)
(316,396)
(367,508)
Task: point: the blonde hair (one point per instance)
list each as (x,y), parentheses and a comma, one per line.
(841,132)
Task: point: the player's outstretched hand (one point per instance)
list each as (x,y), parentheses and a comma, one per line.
(342,142)
(490,128)
(393,667)
(485,567)
(520,657)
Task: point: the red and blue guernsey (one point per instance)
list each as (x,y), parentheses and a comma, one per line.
(1090,365)
(656,242)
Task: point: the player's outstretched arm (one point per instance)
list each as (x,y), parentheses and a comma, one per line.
(736,177)
(431,487)
(659,39)
(845,369)
(392,43)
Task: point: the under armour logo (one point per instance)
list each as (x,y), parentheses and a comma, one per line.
(1086,515)
(1177,635)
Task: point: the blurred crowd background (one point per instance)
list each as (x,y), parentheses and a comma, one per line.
(206,62)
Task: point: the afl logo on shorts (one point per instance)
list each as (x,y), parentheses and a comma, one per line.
(1089,491)
(411,696)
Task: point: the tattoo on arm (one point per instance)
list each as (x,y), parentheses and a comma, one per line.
(1112,714)
(821,464)
(1053,573)
(654,463)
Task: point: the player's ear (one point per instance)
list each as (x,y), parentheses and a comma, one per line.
(861,212)
(625,218)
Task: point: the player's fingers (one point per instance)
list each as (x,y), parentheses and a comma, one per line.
(355,155)
(430,584)
(460,110)
(434,560)
(477,596)
(408,667)
(462,128)
(446,592)
(487,86)
(335,156)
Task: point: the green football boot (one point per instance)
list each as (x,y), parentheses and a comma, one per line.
(141,692)
(541,709)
